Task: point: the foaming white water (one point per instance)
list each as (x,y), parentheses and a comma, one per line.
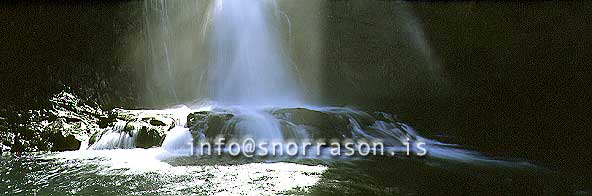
(179,141)
(247,65)
(257,124)
(175,179)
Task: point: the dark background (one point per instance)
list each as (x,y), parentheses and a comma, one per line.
(511,80)
(45,46)
(516,75)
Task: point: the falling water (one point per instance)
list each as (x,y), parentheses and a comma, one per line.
(165,27)
(248,66)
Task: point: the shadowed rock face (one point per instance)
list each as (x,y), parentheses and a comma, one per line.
(62,143)
(69,121)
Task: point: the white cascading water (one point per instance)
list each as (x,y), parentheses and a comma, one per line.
(248,70)
(178,141)
(117,138)
(248,66)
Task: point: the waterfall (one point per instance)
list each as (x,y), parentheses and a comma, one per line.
(248,65)
(250,79)
(255,95)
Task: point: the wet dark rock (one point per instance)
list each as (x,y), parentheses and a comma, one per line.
(107,120)
(61,143)
(155,122)
(319,124)
(207,123)
(149,137)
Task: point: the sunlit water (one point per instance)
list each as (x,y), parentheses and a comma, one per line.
(248,65)
(156,172)
(147,171)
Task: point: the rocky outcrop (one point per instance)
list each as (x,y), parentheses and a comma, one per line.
(132,129)
(342,123)
(72,123)
(318,123)
(64,126)
(209,124)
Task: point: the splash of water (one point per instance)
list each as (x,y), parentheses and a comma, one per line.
(179,141)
